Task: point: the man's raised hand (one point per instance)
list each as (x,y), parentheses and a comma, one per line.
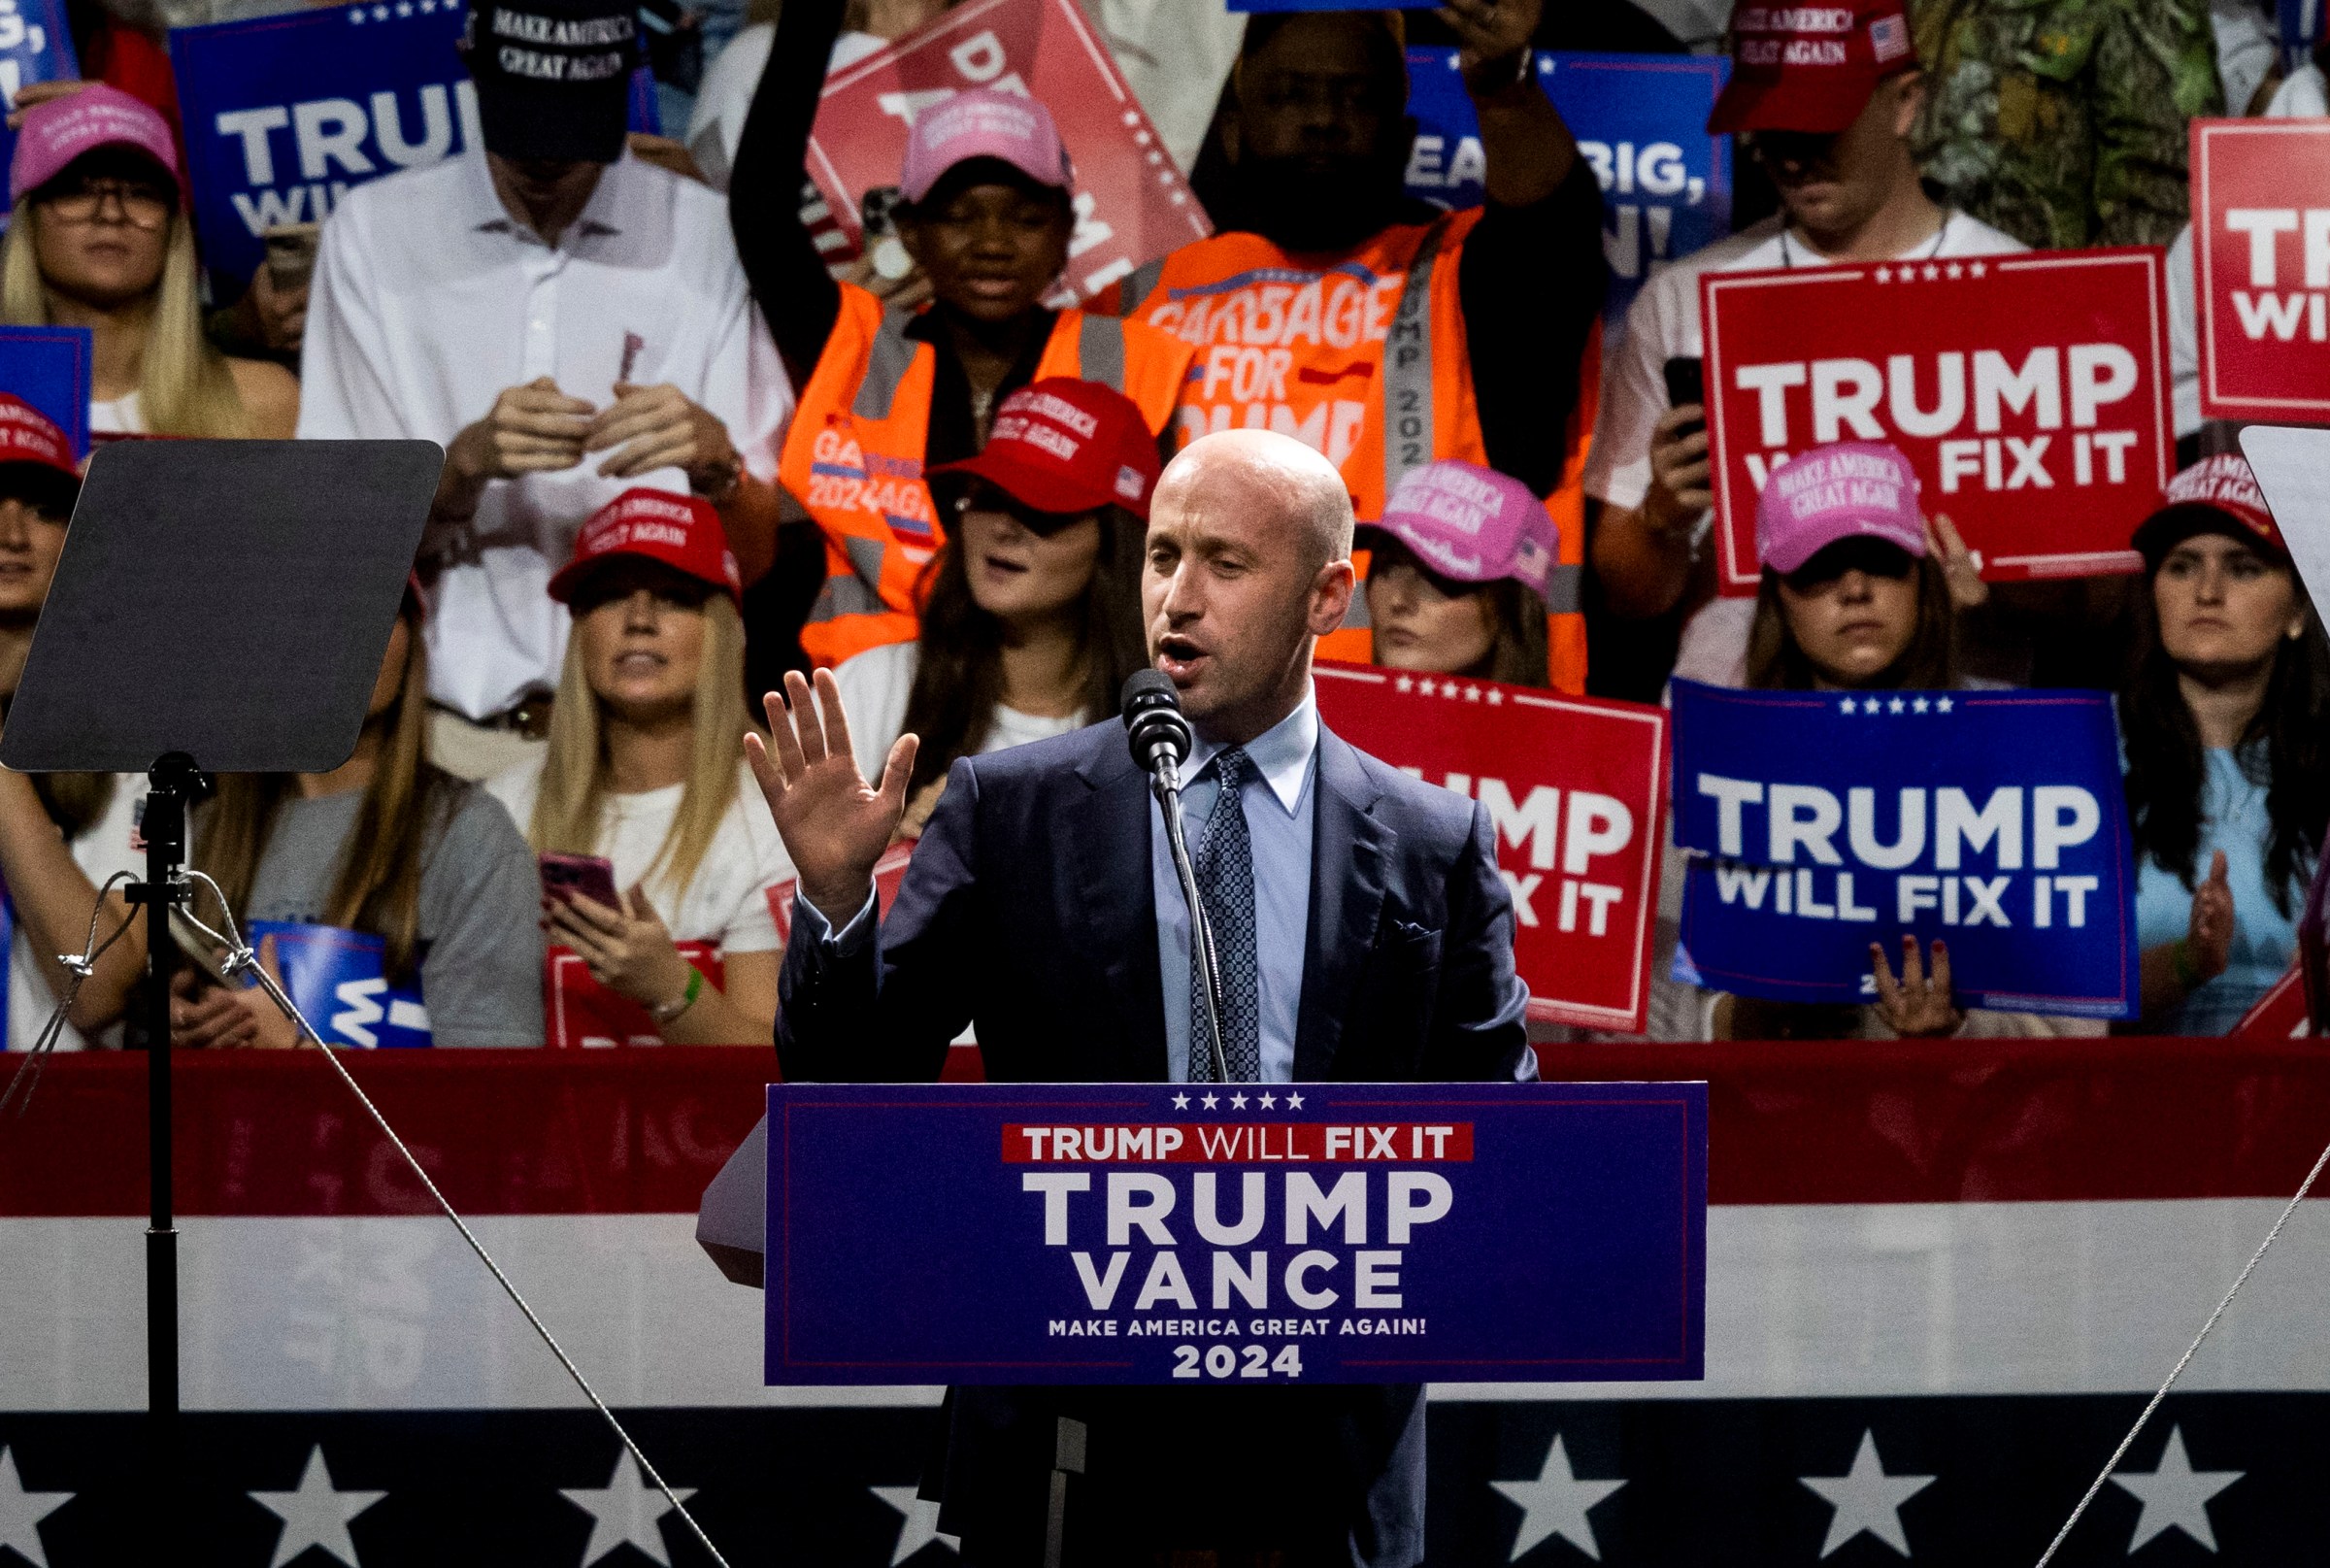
(834,824)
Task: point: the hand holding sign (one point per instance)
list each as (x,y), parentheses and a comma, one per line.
(834,826)
(1921,1003)
(36,93)
(1492,33)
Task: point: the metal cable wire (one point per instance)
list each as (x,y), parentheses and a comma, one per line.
(80,967)
(2183,1360)
(241,960)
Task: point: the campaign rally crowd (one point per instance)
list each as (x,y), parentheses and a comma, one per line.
(693,442)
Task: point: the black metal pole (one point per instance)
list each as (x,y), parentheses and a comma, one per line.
(174,782)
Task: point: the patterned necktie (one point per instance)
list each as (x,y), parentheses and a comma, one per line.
(1224,864)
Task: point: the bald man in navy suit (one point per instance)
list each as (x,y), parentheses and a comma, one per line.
(1362,932)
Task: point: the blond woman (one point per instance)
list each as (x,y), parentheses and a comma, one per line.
(101,239)
(645,767)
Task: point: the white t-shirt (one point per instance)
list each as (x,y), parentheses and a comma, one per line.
(124,415)
(874,685)
(1662,324)
(726,901)
(429,301)
(109,846)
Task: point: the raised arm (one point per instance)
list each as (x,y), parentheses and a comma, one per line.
(1533,274)
(863,998)
(796,295)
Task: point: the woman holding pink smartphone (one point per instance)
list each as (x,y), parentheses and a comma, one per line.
(657,852)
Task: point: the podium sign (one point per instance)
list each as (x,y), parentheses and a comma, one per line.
(1248,1234)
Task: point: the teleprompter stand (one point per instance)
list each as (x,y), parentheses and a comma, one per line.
(220,605)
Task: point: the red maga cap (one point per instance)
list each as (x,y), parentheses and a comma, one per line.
(36,456)
(1062,445)
(680,531)
(29,436)
(1809,67)
(2204,498)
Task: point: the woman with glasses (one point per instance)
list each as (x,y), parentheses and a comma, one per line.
(1031,611)
(101,239)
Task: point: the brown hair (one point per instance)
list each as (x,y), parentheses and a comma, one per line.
(1930,662)
(377,888)
(958,679)
(1520,651)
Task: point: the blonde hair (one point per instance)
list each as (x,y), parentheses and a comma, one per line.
(573,797)
(184,386)
(376,885)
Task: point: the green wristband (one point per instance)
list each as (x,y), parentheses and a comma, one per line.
(670,1011)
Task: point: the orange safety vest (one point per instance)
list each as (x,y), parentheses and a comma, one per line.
(1364,359)
(853,456)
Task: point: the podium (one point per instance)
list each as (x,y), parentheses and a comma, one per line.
(1221,1234)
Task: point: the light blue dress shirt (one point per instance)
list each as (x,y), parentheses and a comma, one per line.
(1276,798)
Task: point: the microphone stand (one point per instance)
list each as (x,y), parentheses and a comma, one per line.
(1165,782)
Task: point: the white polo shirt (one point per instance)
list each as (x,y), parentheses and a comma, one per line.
(429,301)
(1663,323)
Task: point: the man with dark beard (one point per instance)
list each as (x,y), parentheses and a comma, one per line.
(1373,327)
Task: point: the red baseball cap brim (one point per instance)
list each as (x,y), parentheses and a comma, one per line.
(1046,490)
(2169,526)
(1814,103)
(574,574)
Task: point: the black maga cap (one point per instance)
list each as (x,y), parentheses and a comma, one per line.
(552,76)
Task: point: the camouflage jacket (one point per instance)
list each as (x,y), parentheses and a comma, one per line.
(2063,121)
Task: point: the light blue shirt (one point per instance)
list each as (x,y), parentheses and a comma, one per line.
(1277,799)
(2233,819)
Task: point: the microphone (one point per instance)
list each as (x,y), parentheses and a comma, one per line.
(1160,738)
(1153,726)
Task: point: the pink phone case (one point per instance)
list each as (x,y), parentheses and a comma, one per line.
(589,874)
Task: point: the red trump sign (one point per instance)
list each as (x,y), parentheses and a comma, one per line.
(2261,267)
(1577,791)
(1132,204)
(2030,392)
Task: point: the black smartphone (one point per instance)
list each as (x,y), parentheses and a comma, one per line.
(1686,383)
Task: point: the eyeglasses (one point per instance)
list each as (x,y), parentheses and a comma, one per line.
(142,205)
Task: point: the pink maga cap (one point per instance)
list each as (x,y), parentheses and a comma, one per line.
(1473,524)
(984,123)
(63,129)
(1850,490)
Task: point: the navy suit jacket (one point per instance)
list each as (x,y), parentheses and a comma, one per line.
(1028,912)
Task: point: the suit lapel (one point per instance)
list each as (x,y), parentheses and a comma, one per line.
(1110,829)
(1348,849)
